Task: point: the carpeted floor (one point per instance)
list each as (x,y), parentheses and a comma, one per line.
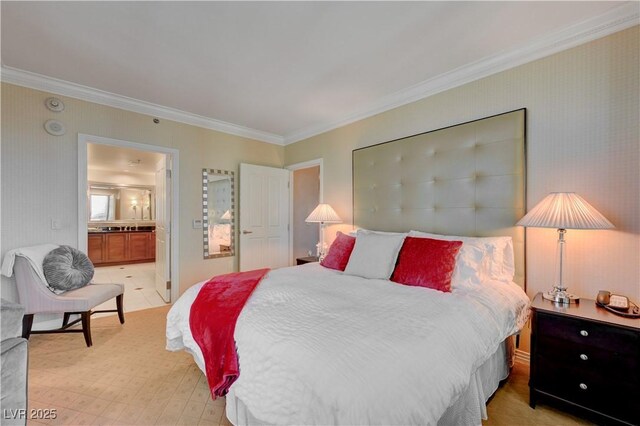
(509,406)
(127,377)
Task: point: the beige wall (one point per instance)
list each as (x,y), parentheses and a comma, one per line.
(40,172)
(306,196)
(582,135)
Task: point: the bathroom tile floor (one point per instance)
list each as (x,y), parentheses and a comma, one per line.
(139,285)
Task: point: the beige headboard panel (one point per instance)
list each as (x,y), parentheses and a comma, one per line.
(467,179)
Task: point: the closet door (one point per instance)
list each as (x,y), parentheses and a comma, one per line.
(264,217)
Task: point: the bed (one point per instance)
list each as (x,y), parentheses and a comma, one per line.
(318,346)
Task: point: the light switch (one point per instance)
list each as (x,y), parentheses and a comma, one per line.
(197,224)
(55,224)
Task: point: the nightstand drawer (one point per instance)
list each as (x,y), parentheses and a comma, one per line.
(588,333)
(593,389)
(617,365)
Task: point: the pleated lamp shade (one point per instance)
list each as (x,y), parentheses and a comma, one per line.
(323,214)
(564,210)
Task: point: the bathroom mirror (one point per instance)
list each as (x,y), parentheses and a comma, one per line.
(218,213)
(110,202)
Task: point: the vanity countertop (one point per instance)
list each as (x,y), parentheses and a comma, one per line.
(116,229)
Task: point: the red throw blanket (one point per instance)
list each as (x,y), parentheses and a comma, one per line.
(213,321)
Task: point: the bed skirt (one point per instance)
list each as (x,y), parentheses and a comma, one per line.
(469,409)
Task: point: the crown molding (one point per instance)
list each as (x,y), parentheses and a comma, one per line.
(85,93)
(617,19)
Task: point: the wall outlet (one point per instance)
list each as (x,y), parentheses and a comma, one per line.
(56,225)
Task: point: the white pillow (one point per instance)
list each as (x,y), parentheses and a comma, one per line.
(502,259)
(374,254)
(497,261)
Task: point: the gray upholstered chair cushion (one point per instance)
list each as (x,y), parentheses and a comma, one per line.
(11,319)
(89,296)
(13,379)
(67,268)
(13,363)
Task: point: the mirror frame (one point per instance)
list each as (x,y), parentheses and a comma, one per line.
(205,214)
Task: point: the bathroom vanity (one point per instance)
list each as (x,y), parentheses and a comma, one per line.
(121,245)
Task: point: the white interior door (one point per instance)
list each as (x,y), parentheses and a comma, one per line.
(163,229)
(264,217)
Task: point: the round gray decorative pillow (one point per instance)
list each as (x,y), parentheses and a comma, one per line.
(67,268)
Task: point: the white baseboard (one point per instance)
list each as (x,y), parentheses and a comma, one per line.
(522,356)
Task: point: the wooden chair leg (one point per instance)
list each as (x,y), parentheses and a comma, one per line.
(86,327)
(65,319)
(119,304)
(27,323)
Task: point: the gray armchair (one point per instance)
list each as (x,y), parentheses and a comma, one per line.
(38,299)
(13,383)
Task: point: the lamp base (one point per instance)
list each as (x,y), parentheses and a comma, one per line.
(561,296)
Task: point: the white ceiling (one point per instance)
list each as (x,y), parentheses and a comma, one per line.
(285,69)
(117,159)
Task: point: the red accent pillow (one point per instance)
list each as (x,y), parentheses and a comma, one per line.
(339,252)
(425,262)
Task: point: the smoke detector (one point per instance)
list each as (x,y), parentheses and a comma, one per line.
(54,104)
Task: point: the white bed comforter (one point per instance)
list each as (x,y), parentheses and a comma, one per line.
(320,347)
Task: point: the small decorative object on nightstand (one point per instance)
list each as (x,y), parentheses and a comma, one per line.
(586,357)
(309,259)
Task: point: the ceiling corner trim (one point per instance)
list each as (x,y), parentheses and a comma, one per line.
(65,88)
(617,19)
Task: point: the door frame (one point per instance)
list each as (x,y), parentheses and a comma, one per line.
(174,154)
(292,168)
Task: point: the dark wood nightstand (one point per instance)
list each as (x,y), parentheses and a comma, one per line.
(586,357)
(303,260)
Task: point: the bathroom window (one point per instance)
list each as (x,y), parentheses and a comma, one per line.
(102,207)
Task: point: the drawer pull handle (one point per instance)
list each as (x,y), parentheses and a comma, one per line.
(584,333)
(584,357)
(583,386)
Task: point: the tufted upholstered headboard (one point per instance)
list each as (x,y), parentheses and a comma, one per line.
(467,179)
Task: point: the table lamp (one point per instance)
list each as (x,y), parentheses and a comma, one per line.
(322,214)
(563,210)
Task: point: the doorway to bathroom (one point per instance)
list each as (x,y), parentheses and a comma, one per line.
(305,195)
(127,196)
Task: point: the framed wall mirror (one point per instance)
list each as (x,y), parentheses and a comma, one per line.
(110,202)
(218,213)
